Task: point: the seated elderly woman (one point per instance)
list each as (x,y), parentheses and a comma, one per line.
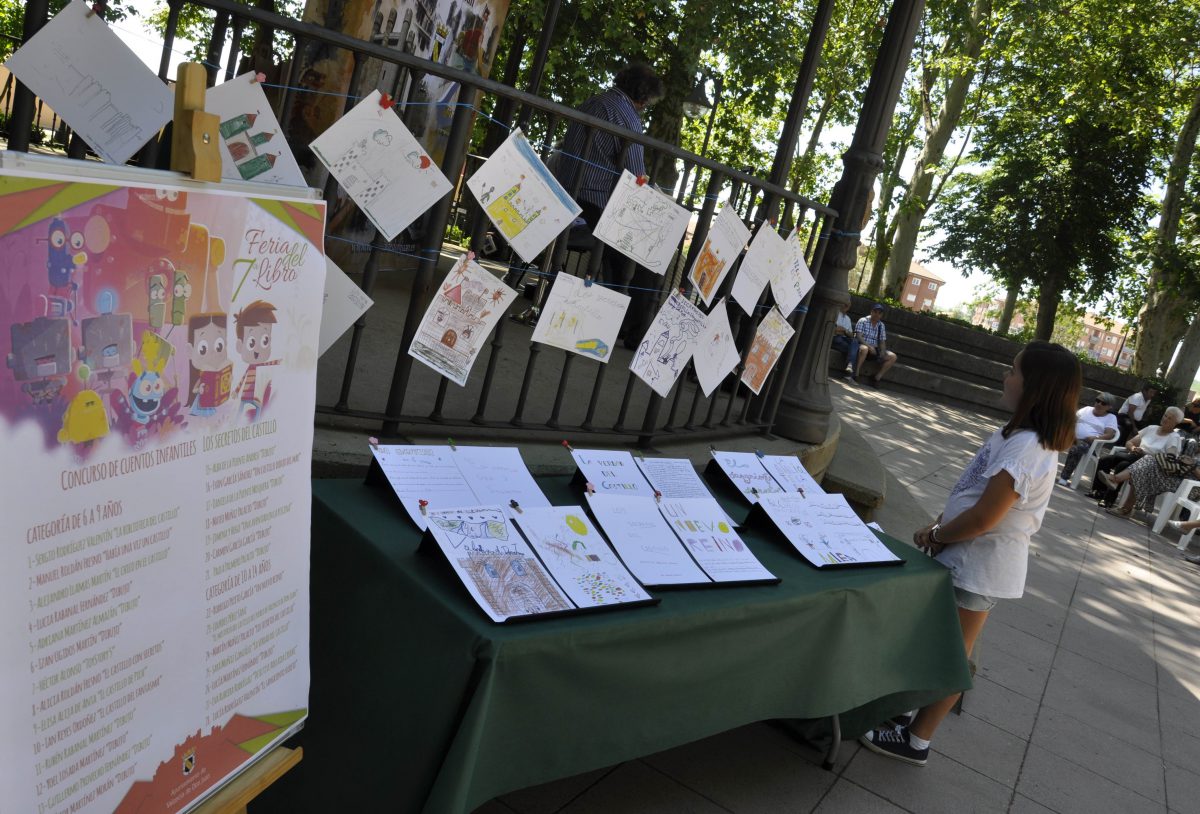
(1149,476)
(1154,439)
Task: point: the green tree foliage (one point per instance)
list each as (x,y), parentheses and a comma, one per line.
(12,20)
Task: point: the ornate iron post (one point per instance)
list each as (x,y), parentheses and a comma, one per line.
(805,407)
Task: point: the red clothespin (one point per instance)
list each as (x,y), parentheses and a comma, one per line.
(682,291)
(258,78)
(386,101)
(657,496)
(97,8)
(515,506)
(450,441)
(423,505)
(374,442)
(590,488)
(642,179)
(470,256)
(567,444)
(587,281)
(774,222)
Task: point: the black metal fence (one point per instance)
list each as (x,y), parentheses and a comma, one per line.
(559,392)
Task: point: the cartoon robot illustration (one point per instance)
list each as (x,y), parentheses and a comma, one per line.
(85,419)
(181,291)
(42,356)
(253,326)
(161,273)
(107,345)
(64,255)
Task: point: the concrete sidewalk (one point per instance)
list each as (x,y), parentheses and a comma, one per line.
(1087,697)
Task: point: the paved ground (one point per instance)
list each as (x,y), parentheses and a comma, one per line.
(1087,697)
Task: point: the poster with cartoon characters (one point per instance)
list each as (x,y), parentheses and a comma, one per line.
(156,405)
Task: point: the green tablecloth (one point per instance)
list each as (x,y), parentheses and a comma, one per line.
(420,703)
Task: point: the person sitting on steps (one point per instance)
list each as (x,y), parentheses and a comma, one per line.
(871,336)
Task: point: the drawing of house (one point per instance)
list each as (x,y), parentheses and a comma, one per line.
(243,145)
(507,214)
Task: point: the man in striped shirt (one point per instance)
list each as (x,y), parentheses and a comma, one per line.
(871,336)
(634,89)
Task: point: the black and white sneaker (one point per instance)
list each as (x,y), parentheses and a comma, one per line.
(893,743)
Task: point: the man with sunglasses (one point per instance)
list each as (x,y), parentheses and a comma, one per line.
(1095,423)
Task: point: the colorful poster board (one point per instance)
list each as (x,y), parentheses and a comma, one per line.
(159,390)
(252,144)
(457,323)
(521,198)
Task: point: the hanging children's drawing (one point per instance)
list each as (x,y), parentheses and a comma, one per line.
(727,236)
(455,327)
(581,318)
(772,335)
(521,198)
(668,343)
(252,144)
(791,279)
(767,254)
(642,223)
(716,354)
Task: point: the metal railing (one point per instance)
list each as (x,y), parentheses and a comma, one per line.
(559,392)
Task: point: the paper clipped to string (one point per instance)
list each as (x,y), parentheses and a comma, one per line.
(764,261)
(580,318)
(668,344)
(521,197)
(458,321)
(642,223)
(791,279)
(251,141)
(727,236)
(769,341)
(716,355)
(381,166)
(90,78)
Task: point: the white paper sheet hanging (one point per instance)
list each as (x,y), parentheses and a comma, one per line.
(345,302)
(252,144)
(642,223)
(769,341)
(767,255)
(792,279)
(91,79)
(668,344)
(727,236)
(716,355)
(581,318)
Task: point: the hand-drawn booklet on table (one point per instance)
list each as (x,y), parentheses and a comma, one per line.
(252,144)
(521,198)
(381,166)
(645,541)
(768,252)
(791,279)
(457,323)
(676,478)
(445,477)
(90,78)
(743,471)
(497,567)
(727,237)
(668,344)
(825,530)
(581,318)
(611,472)
(789,472)
(578,557)
(642,223)
(772,335)
(711,540)
(345,302)
(715,355)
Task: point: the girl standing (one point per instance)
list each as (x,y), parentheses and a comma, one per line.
(983,534)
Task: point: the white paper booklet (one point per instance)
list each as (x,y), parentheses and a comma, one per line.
(90,78)
(581,318)
(676,478)
(645,541)
(792,279)
(429,478)
(381,166)
(345,302)
(252,144)
(668,343)
(642,223)
(789,472)
(711,540)
(746,472)
(612,472)
(716,355)
(825,530)
(521,198)
(456,325)
(578,558)
(769,341)
(494,563)
(767,254)
(727,237)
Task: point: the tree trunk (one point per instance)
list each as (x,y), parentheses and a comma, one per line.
(1183,369)
(802,167)
(916,201)
(1048,299)
(884,230)
(678,81)
(1164,314)
(1010,306)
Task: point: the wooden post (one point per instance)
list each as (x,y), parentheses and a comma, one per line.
(194,137)
(238,794)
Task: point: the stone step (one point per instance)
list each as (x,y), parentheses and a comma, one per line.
(942,388)
(949,361)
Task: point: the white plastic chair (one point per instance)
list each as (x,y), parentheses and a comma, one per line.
(1175,501)
(1087,464)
